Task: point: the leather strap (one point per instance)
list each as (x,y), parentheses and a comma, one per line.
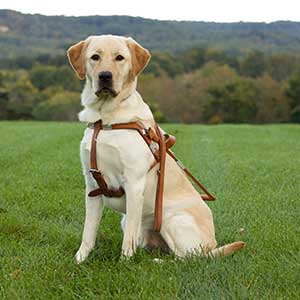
(103,188)
(207,196)
(97,128)
(148,135)
(160,181)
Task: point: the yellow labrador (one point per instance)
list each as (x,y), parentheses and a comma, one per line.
(110,65)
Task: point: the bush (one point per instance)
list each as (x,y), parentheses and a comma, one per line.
(254,65)
(293,93)
(44,77)
(234,102)
(21,97)
(271,101)
(62,106)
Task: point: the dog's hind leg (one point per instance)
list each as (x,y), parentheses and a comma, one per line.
(183,236)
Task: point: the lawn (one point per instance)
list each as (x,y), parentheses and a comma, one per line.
(253,170)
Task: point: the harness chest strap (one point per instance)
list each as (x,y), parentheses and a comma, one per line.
(149,137)
(103,188)
(152,138)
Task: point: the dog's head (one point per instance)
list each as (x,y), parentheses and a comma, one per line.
(110,63)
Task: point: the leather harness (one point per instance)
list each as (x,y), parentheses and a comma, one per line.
(159,144)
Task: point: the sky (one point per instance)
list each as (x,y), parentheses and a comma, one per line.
(209,10)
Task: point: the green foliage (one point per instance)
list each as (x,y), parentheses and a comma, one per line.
(197,85)
(271,102)
(233,102)
(162,62)
(3,97)
(254,64)
(18,96)
(260,100)
(46,76)
(293,92)
(37,34)
(193,59)
(282,66)
(61,106)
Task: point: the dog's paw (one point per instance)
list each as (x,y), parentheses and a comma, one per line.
(81,255)
(127,253)
(128,249)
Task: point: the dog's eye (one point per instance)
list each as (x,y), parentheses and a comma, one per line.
(95,57)
(119,57)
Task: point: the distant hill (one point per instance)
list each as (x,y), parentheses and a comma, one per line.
(25,34)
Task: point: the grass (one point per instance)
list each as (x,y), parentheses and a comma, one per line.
(253,170)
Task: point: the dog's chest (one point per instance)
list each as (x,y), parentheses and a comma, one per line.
(122,155)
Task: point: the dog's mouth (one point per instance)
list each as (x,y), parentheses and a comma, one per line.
(105,92)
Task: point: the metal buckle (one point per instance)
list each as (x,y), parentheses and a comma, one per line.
(144,131)
(107,127)
(94,170)
(153,147)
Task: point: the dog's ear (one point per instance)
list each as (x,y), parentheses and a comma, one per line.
(139,56)
(76,55)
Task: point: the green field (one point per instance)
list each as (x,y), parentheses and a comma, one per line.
(253,170)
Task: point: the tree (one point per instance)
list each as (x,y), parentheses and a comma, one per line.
(293,93)
(181,99)
(194,89)
(232,102)
(3,97)
(21,97)
(282,66)
(43,77)
(254,64)
(62,106)
(162,62)
(271,101)
(193,59)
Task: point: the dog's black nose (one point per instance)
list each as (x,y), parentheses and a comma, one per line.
(105,76)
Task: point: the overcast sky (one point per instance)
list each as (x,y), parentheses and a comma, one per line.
(209,10)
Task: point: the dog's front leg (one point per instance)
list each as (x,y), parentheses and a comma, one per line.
(94,207)
(134,210)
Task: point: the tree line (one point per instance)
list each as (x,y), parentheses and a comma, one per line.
(37,34)
(199,85)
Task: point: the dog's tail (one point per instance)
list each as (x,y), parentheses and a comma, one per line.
(228,249)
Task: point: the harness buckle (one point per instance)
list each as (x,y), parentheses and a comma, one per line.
(144,131)
(153,147)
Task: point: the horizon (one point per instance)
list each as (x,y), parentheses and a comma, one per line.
(232,11)
(148,18)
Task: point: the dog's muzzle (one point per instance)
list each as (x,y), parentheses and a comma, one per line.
(105,83)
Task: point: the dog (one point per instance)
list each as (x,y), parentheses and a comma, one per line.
(110,65)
